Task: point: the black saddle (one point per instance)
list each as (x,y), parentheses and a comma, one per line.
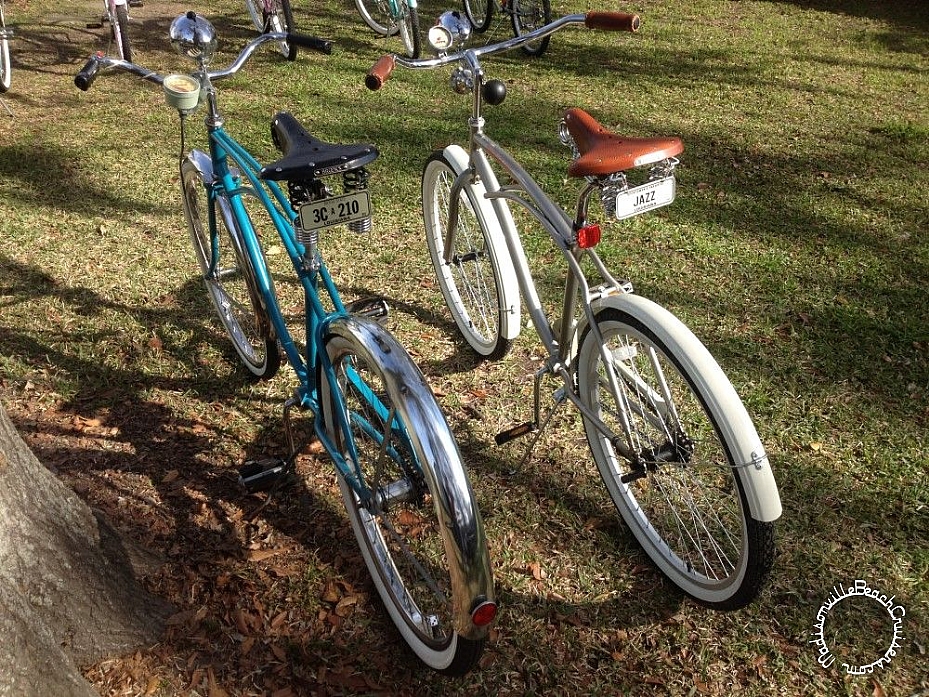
(306,157)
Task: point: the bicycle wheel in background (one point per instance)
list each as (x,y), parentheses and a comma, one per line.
(686,500)
(119,25)
(4,53)
(377,15)
(408,459)
(527,16)
(409,28)
(230,280)
(274,16)
(478,283)
(479,13)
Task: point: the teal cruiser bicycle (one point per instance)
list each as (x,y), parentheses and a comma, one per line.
(404,485)
(391,17)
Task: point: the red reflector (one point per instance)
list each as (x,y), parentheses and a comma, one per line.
(484,613)
(588,236)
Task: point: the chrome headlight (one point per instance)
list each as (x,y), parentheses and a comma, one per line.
(450,31)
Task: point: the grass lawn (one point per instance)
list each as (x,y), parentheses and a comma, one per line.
(798,250)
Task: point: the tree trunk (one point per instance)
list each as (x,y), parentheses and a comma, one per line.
(68,594)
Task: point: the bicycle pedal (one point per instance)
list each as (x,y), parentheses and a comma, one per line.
(94,25)
(135,3)
(372,308)
(515,432)
(261,475)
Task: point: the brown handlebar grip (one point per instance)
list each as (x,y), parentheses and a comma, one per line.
(612,21)
(379,73)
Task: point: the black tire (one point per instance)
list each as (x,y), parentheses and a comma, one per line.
(120,27)
(473,283)
(278,18)
(686,504)
(230,283)
(409,29)
(527,16)
(402,535)
(479,13)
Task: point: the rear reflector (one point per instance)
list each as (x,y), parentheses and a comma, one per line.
(484,613)
(588,236)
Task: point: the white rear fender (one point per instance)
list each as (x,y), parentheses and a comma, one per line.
(729,413)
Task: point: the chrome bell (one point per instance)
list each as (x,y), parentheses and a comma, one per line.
(193,36)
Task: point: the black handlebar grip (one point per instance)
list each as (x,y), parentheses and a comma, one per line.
(86,76)
(311,42)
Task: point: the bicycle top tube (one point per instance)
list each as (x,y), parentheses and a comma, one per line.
(609,21)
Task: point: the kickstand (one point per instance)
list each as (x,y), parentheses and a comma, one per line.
(7,107)
(559,400)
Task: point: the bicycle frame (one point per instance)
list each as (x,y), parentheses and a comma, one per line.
(224,180)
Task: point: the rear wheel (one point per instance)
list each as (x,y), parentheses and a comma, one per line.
(229,276)
(119,22)
(527,16)
(377,15)
(479,13)
(4,54)
(400,435)
(274,16)
(684,493)
(409,29)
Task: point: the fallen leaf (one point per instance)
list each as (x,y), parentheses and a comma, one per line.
(262,554)
(538,573)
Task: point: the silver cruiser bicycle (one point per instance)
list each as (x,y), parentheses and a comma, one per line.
(672,441)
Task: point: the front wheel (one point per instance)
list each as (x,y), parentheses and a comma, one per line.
(274,16)
(694,470)
(478,282)
(120,27)
(479,13)
(527,16)
(408,497)
(228,274)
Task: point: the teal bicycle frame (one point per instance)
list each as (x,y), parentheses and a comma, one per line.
(229,183)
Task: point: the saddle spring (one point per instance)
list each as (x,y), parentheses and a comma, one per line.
(355,180)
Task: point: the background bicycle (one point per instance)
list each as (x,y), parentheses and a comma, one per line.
(5,36)
(274,16)
(525,16)
(399,470)
(392,17)
(671,439)
(116,15)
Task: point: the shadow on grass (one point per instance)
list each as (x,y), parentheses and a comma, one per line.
(154,450)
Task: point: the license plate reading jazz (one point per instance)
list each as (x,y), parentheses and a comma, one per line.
(335,210)
(646,197)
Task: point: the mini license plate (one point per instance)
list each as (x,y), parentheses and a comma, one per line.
(646,197)
(335,210)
